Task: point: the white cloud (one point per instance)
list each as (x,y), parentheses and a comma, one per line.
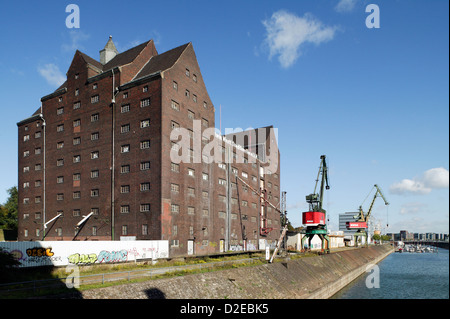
(52,74)
(412,208)
(432,179)
(286,33)
(436,178)
(75,39)
(345,5)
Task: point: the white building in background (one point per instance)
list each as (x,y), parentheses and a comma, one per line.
(294,240)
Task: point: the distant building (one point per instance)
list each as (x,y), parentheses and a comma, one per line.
(344,219)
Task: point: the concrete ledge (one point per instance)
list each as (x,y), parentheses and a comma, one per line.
(317,277)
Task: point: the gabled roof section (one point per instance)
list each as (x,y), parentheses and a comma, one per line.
(90,60)
(125,57)
(162,61)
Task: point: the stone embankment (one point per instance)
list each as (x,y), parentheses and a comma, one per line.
(317,277)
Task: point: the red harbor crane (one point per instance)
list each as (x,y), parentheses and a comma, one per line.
(315,218)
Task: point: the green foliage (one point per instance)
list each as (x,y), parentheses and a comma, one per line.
(7,261)
(8,211)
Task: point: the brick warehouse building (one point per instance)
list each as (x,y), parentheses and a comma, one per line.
(96,160)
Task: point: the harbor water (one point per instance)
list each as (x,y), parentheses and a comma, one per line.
(404,276)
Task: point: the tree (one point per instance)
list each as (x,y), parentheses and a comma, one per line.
(8,211)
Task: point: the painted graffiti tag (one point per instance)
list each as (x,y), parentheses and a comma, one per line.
(77,259)
(113,256)
(40,252)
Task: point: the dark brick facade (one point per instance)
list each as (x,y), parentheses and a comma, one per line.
(107,134)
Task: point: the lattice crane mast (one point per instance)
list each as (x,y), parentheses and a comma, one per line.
(362,219)
(314,219)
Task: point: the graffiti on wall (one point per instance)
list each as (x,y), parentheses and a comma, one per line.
(103,257)
(59,253)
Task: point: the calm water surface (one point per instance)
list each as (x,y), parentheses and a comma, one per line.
(405,276)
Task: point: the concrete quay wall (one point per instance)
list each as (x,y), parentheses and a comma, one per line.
(317,277)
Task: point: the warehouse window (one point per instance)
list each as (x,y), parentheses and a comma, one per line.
(175,105)
(125,108)
(145,166)
(94,192)
(94,174)
(95,136)
(145,144)
(145,187)
(94,155)
(125,128)
(144,208)
(145,102)
(125,209)
(125,148)
(144,229)
(95,117)
(174,208)
(145,123)
(94,99)
(124,169)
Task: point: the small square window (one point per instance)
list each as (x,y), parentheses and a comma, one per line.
(145,144)
(94,174)
(125,108)
(95,117)
(145,123)
(125,128)
(94,99)
(94,192)
(95,136)
(125,148)
(145,102)
(145,166)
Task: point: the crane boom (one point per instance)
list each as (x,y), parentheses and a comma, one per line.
(362,219)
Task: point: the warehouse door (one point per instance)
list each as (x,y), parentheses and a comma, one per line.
(190,247)
(222,245)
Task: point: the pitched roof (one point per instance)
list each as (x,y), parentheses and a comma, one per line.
(90,60)
(125,57)
(162,61)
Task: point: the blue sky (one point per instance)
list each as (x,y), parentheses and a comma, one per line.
(374,101)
